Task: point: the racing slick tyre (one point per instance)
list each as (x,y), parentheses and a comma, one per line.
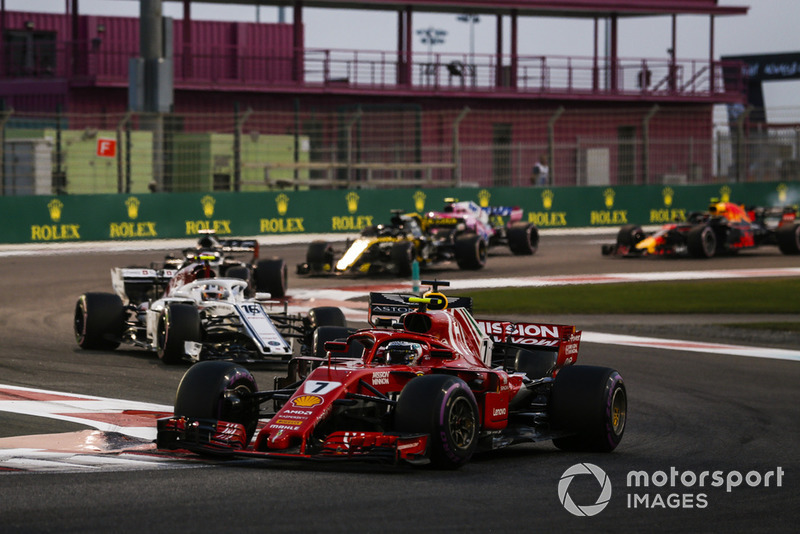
(177,324)
(99,321)
(523,239)
(443,407)
(591,403)
(326,316)
(321,316)
(222,391)
(629,235)
(788,237)
(701,242)
(323,334)
(271,277)
(319,256)
(470,250)
(403,257)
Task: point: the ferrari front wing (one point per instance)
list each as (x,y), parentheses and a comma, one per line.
(212,437)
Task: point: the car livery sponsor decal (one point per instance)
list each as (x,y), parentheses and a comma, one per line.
(306,401)
(284,421)
(380,378)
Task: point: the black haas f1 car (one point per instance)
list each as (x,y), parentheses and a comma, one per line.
(199,316)
(229,258)
(463,232)
(725,229)
(426,384)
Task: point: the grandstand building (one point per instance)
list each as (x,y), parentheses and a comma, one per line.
(366,114)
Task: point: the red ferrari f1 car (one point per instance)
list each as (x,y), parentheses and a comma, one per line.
(725,229)
(428,383)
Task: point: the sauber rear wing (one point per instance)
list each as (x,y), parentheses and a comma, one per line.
(563,338)
(388,305)
(140,279)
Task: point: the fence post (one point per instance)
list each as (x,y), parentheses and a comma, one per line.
(646,144)
(3,120)
(551,148)
(349,129)
(123,186)
(457,146)
(237,144)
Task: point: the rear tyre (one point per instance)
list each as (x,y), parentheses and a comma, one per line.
(523,239)
(403,257)
(177,324)
(272,277)
(443,407)
(470,252)
(222,391)
(591,403)
(323,334)
(701,242)
(99,321)
(788,237)
(242,273)
(319,256)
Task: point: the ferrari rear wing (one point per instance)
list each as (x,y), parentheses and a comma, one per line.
(564,339)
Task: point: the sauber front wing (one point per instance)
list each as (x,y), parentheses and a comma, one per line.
(211,437)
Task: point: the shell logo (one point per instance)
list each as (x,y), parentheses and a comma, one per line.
(282,201)
(419,201)
(54,207)
(208,205)
(547,199)
(307,401)
(608,195)
(725,193)
(668,195)
(484,197)
(352,201)
(783,191)
(133,207)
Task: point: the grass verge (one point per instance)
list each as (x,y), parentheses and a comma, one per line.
(707,297)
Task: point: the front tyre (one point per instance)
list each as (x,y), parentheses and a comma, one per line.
(99,321)
(701,242)
(591,404)
(222,391)
(443,407)
(177,324)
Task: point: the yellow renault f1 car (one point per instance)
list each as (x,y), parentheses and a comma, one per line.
(463,232)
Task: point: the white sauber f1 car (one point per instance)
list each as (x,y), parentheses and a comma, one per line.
(198,317)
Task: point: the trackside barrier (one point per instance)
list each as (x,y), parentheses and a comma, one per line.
(37,219)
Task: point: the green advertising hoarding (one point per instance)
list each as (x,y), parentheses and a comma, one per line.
(65,218)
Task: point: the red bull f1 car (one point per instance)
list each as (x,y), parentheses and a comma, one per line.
(427,383)
(725,228)
(462,232)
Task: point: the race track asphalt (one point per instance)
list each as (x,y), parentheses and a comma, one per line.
(689,414)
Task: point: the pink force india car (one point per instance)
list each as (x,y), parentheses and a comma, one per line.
(427,383)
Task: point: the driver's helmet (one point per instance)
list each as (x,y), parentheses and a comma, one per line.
(403,352)
(215,292)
